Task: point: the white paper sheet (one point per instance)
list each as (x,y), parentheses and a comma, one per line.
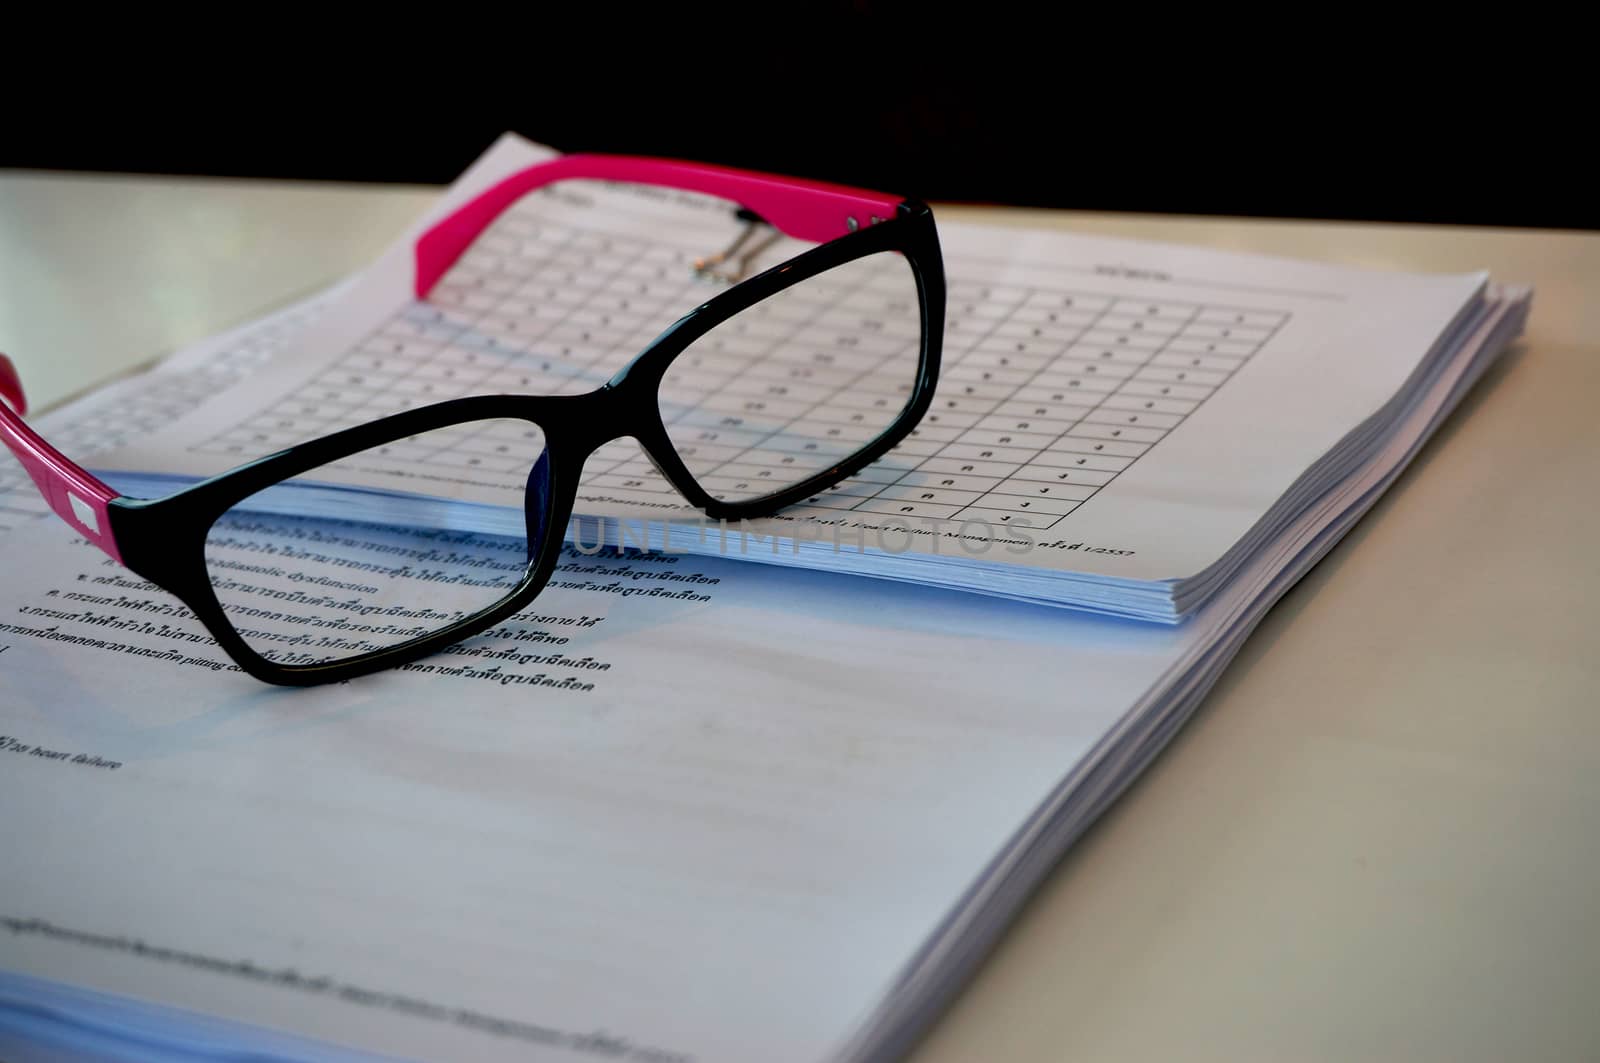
(1110,408)
(725,843)
(720,843)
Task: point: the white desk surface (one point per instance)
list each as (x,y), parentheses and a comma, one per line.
(1379,838)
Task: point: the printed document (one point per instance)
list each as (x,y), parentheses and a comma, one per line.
(1109,409)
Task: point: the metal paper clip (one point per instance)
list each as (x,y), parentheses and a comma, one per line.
(706,268)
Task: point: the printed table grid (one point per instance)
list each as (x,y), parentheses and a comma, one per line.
(1050,395)
(1045,397)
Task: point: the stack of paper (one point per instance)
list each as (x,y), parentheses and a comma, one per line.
(1119,426)
(780,815)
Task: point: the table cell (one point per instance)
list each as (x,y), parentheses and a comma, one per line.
(1003,518)
(410,326)
(700,455)
(922,478)
(1140,418)
(248,443)
(961,332)
(987,374)
(1054,317)
(745,479)
(964,404)
(810,435)
(1003,360)
(303,412)
(1044,425)
(771,388)
(876,345)
(1067,301)
(1036,331)
(1264,319)
(914,450)
(1112,432)
(532,316)
(832,377)
(997,469)
(1129,325)
(835,359)
(645,270)
(470,299)
(334,384)
(404,452)
(897,463)
(439,391)
(1044,411)
(593,314)
(704,366)
(1123,400)
(405,352)
(1035,472)
(749,406)
(1227,348)
(1102,354)
(757,455)
(900,507)
(1105,339)
(1046,498)
(756,335)
(1091,447)
(1001,297)
(1154,309)
(1235,333)
(994,345)
(1088,377)
(419,313)
(856,487)
(1072,489)
(502,326)
(934,435)
(1141,385)
(474,347)
(875,399)
(527,380)
(690,435)
(1069,459)
(552,289)
(499,284)
(573,334)
(950,419)
(969,452)
(631,469)
(880,474)
(615,481)
(1033,441)
(924,493)
(380,407)
(1183,373)
(829,501)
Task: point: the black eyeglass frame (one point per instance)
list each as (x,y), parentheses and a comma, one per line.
(163,540)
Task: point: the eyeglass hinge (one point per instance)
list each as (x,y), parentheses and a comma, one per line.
(706,268)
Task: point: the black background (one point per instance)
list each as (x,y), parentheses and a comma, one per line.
(1322,113)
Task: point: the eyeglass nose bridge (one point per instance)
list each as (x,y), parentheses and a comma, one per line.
(629,399)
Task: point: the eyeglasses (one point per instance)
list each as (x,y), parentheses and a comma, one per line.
(344,555)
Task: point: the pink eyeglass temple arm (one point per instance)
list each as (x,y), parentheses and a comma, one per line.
(805,210)
(78,498)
